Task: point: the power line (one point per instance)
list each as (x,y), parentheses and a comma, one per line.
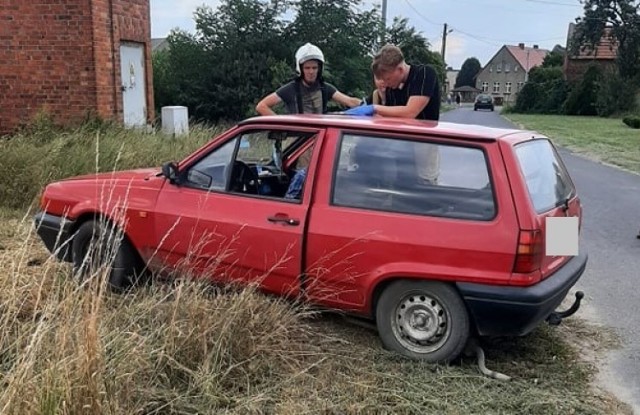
(421,15)
(553,3)
(487,40)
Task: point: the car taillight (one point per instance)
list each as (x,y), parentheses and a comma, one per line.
(528,257)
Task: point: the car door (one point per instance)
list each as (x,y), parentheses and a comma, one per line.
(227,217)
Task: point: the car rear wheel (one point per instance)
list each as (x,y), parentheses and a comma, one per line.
(424,320)
(98,244)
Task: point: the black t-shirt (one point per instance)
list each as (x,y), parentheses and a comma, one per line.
(311,97)
(422,80)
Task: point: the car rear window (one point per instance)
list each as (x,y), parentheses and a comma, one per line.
(548,181)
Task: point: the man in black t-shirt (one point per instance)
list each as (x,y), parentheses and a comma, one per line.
(413,91)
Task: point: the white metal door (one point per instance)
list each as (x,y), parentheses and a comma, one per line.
(134,102)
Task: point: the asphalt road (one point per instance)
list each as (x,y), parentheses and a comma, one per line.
(611,220)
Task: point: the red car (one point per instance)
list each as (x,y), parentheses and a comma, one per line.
(435,231)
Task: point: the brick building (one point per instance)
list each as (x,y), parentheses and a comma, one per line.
(603,55)
(74,58)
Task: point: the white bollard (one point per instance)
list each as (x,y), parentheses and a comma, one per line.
(175,120)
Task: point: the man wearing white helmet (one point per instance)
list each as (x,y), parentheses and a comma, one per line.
(308,93)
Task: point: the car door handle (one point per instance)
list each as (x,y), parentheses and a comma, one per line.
(284,220)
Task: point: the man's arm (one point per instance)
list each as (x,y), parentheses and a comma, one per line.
(415,105)
(346,100)
(266,103)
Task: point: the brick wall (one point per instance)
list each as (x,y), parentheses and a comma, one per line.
(574,69)
(62,57)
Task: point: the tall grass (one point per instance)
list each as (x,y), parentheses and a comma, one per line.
(44,153)
(69,347)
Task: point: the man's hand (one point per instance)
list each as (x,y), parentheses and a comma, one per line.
(366,110)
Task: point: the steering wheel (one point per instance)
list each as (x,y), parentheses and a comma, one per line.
(243,178)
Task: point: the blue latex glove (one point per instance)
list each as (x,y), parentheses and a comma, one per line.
(366,110)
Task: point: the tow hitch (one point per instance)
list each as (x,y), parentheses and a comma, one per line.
(556,317)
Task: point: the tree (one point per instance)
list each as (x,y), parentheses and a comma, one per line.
(622,17)
(414,46)
(553,59)
(244,49)
(468,73)
(582,98)
(544,93)
(243,43)
(346,35)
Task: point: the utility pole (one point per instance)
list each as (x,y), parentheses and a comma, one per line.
(445,32)
(444,43)
(384,21)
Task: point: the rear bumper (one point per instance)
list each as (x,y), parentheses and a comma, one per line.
(483,106)
(55,232)
(515,311)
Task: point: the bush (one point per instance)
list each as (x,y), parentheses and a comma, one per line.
(583,96)
(616,95)
(632,121)
(544,93)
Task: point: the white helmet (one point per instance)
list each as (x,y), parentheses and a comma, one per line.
(308,52)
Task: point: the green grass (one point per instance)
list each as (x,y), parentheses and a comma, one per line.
(604,139)
(38,156)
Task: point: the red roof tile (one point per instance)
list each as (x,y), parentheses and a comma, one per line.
(606,48)
(527,57)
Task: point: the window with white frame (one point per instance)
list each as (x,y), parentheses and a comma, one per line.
(515,68)
(520,85)
(499,67)
(507,88)
(485,87)
(490,68)
(496,87)
(507,67)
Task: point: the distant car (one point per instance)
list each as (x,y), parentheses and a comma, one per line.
(483,101)
(434,231)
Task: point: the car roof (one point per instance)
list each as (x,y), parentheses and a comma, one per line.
(388,124)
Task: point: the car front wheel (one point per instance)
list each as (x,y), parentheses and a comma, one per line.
(424,320)
(98,244)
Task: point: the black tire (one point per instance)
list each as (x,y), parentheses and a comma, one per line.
(96,244)
(436,307)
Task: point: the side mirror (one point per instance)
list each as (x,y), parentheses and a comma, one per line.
(170,171)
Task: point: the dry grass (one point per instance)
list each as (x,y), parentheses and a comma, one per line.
(188,347)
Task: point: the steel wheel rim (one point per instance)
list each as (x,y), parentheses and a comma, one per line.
(420,323)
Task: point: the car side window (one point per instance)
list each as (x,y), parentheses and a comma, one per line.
(413,177)
(252,163)
(210,172)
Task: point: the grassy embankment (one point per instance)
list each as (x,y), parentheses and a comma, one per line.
(603,139)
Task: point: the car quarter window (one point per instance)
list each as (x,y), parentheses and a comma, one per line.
(262,163)
(414,177)
(547,180)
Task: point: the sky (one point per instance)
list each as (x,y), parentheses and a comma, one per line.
(478,28)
